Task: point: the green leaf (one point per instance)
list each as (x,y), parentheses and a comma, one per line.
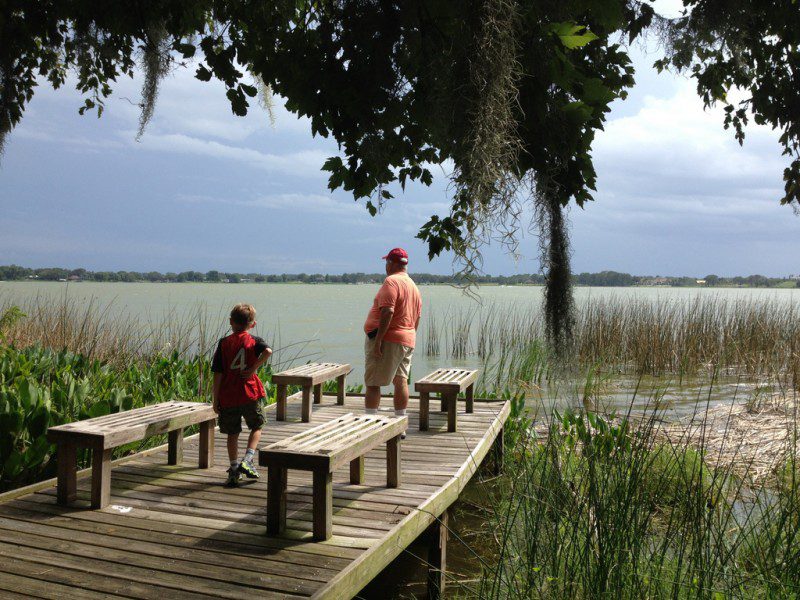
(99,409)
(202,73)
(38,422)
(11,422)
(187,50)
(250,90)
(12,466)
(577,41)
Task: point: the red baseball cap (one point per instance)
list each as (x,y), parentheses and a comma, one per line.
(397,255)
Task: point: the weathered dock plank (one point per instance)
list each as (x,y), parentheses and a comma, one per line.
(174,531)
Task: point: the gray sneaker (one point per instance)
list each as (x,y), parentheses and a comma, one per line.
(233,478)
(247,468)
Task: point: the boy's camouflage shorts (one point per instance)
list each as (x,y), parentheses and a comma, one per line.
(230,418)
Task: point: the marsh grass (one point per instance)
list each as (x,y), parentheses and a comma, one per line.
(746,337)
(602,507)
(99,331)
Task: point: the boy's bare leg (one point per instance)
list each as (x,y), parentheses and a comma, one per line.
(252,441)
(400,392)
(372,399)
(233,446)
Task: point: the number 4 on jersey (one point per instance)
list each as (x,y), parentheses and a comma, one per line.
(239,361)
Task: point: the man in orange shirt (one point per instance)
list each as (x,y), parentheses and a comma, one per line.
(391,329)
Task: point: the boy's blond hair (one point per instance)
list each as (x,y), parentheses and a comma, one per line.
(243,315)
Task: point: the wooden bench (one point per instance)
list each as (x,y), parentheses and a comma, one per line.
(312,375)
(322,450)
(103,434)
(448,383)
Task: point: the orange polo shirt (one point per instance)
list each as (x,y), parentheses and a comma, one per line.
(400,293)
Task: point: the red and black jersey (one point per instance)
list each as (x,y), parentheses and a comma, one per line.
(235,354)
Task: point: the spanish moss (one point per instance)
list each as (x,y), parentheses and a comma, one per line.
(486,181)
(555,259)
(155,62)
(5,108)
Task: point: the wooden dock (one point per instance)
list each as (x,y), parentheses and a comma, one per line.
(176,532)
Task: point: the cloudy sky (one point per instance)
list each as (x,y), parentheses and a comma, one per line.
(206,190)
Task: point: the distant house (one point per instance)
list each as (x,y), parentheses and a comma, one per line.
(73,278)
(655,281)
(700,281)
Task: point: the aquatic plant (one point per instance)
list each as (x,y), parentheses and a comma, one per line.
(595,506)
(747,337)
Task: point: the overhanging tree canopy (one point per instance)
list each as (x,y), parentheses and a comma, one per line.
(511,91)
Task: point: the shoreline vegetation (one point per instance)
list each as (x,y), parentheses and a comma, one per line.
(596,502)
(601,279)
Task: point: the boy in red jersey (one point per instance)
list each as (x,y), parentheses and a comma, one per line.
(238,392)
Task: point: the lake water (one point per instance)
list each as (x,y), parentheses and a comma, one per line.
(328,318)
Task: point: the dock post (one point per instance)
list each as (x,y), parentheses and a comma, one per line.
(437,556)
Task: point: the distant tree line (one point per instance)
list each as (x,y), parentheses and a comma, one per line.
(604,278)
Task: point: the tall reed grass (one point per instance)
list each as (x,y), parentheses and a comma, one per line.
(748,337)
(98,331)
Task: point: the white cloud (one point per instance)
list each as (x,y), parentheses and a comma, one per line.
(305,163)
(305,203)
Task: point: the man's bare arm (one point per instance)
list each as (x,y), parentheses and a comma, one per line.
(383,326)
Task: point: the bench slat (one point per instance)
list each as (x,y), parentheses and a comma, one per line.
(311,374)
(316,442)
(109,432)
(294,452)
(329,445)
(446,380)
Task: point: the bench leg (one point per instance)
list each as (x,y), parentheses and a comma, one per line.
(424,410)
(280,401)
(470,397)
(452,406)
(175,448)
(437,556)
(67,489)
(357,471)
(323,504)
(394,467)
(276,500)
(101,477)
(318,394)
(306,414)
(341,389)
(206,444)
(443,398)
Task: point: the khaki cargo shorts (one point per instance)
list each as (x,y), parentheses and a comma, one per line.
(395,361)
